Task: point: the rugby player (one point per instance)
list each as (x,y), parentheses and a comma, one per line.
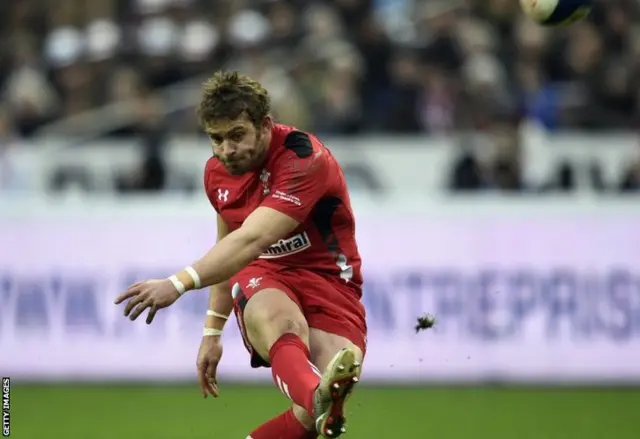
(286,261)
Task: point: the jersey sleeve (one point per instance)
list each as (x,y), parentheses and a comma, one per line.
(300,179)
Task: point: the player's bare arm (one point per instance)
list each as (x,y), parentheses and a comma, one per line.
(262,228)
(220,300)
(220,307)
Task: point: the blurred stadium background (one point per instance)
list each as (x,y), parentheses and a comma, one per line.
(494,168)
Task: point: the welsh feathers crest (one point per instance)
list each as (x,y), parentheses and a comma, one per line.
(264,179)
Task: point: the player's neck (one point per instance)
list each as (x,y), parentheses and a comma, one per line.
(265,150)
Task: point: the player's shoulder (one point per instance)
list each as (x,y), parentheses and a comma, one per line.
(295,143)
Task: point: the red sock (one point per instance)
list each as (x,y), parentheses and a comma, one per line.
(292,371)
(283,426)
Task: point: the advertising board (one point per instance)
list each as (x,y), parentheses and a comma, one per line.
(552,296)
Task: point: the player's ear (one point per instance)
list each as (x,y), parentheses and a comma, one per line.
(267,124)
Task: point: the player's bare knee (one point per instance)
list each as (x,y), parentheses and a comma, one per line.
(267,328)
(270,315)
(303,417)
(291,325)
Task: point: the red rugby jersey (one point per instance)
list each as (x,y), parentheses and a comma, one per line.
(303,180)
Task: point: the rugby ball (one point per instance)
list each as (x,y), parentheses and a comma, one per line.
(556,12)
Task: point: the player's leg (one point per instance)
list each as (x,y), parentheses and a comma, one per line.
(278,332)
(337,343)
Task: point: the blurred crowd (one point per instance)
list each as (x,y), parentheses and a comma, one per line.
(341,67)
(337,66)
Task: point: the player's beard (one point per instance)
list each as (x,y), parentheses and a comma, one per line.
(253,160)
(235,169)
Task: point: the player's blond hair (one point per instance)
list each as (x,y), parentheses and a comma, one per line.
(230,95)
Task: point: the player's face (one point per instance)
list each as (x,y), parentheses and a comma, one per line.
(238,144)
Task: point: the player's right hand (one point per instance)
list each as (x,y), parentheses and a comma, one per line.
(208,358)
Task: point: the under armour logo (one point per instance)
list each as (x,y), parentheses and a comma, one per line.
(223,195)
(254,282)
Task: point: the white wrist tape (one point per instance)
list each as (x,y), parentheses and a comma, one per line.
(208,332)
(179,285)
(195,276)
(217,314)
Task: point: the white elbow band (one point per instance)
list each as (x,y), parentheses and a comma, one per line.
(217,314)
(195,276)
(211,332)
(179,285)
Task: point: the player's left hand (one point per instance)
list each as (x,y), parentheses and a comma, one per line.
(154,294)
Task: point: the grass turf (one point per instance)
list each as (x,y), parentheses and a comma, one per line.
(179,412)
